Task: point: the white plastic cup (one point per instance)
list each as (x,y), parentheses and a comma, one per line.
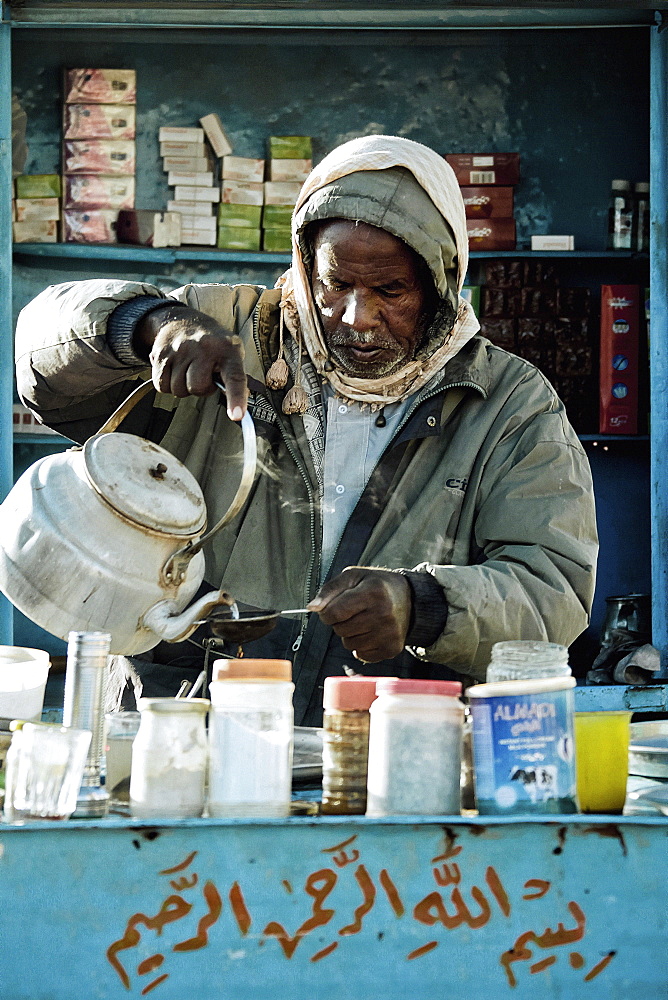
(23,674)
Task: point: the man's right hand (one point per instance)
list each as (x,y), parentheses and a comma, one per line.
(188,350)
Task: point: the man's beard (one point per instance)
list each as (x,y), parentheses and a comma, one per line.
(394,356)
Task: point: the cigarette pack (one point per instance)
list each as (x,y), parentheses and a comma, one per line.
(488,202)
(148,228)
(83,191)
(189,192)
(618,378)
(37,186)
(176,177)
(289,170)
(491,234)
(477,169)
(176,133)
(290,147)
(234,238)
(36,231)
(182,148)
(215,133)
(243,168)
(190,208)
(277,240)
(99,156)
(97,225)
(36,209)
(281,192)
(242,193)
(553,243)
(186,164)
(99,121)
(239,216)
(277,216)
(100,86)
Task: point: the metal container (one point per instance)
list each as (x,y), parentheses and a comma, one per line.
(85,686)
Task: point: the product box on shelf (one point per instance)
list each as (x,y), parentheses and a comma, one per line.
(488,202)
(179,133)
(176,177)
(198,230)
(99,121)
(242,193)
(277,240)
(277,216)
(476,169)
(181,147)
(24,421)
(290,147)
(36,231)
(38,186)
(82,191)
(289,170)
(491,234)
(186,164)
(100,86)
(190,207)
(548,242)
(190,192)
(243,168)
(239,216)
(236,238)
(95,225)
(619,348)
(99,156)
(149,228)
(281,192)
(36,209)
(215,133)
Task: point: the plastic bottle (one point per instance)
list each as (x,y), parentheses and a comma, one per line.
(415,742)
(620,216)
(640,225)
(345,750)
(250,738)
(169,758)
(523,742)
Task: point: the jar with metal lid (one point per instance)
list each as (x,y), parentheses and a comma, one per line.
(345,746)
(523,744)
(251,738)
(415,741)
(169,759)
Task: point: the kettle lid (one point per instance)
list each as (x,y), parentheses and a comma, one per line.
(145,483)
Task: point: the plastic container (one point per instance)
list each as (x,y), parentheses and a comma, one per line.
(23,674)
(523,743)
(251,738)
(620,216)
(169,758)
(415,744)
(345,745)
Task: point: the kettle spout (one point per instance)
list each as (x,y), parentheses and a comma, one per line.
(165,620)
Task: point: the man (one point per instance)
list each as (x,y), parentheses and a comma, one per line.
(420,489)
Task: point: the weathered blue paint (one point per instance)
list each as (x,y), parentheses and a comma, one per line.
(383,910)
(6,346)
(618,697)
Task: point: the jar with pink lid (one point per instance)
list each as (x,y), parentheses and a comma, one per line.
(415,747)
(345,743)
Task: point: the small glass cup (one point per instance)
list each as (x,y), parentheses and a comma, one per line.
(601,760)
(120,731)
(45,772)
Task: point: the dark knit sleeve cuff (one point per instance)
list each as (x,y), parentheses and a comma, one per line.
(123,322)
(430,609)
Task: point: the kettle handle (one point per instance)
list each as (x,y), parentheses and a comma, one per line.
(121,412)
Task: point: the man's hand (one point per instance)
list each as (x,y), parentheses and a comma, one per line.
(369,608)
(188,350)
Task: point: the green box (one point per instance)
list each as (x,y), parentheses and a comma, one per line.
(236,238)
(239,216)
(472,294)
(277,216)
(290,147)
(37,186)
(277,240)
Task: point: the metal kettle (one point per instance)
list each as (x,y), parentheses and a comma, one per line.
(108,536)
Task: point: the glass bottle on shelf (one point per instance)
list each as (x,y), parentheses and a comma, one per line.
(620,216)
(640,224)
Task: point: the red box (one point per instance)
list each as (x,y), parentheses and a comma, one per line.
(491,234)
(110,157)
(618,379)
(488,202)
(491,168)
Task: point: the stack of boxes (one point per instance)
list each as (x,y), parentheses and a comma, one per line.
(487,183)
(290,162)
(98,152)
(240,209)
(36,208)
(187,161)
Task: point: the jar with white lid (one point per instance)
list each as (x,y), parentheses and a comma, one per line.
(169,759)
(251,738)
(415,742)
(523,743)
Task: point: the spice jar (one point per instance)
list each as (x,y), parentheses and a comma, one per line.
(345,746)
(250,738)
(523,744)
(415,741)
(169,758)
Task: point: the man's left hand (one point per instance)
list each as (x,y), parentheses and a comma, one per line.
(370,609)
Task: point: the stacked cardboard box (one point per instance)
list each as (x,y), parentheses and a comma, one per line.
(240,209)
(487,184)
(36,208)
(188,163)
(24,421)
(98,153)
(290,163)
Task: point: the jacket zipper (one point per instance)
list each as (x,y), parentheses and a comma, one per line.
(432,392)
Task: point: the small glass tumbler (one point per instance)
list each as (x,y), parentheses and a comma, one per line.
(601,760)
(120,731)
(45,773)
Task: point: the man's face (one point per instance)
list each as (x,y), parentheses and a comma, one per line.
(372,295)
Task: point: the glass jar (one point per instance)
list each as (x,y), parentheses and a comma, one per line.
(120,731)
(251,738)
(169,758)
(620,216)
(415,745)
(523,745)
(345,743)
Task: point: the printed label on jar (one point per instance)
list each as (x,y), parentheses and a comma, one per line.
(524,753)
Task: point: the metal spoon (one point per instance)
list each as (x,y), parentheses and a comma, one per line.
(249,625)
